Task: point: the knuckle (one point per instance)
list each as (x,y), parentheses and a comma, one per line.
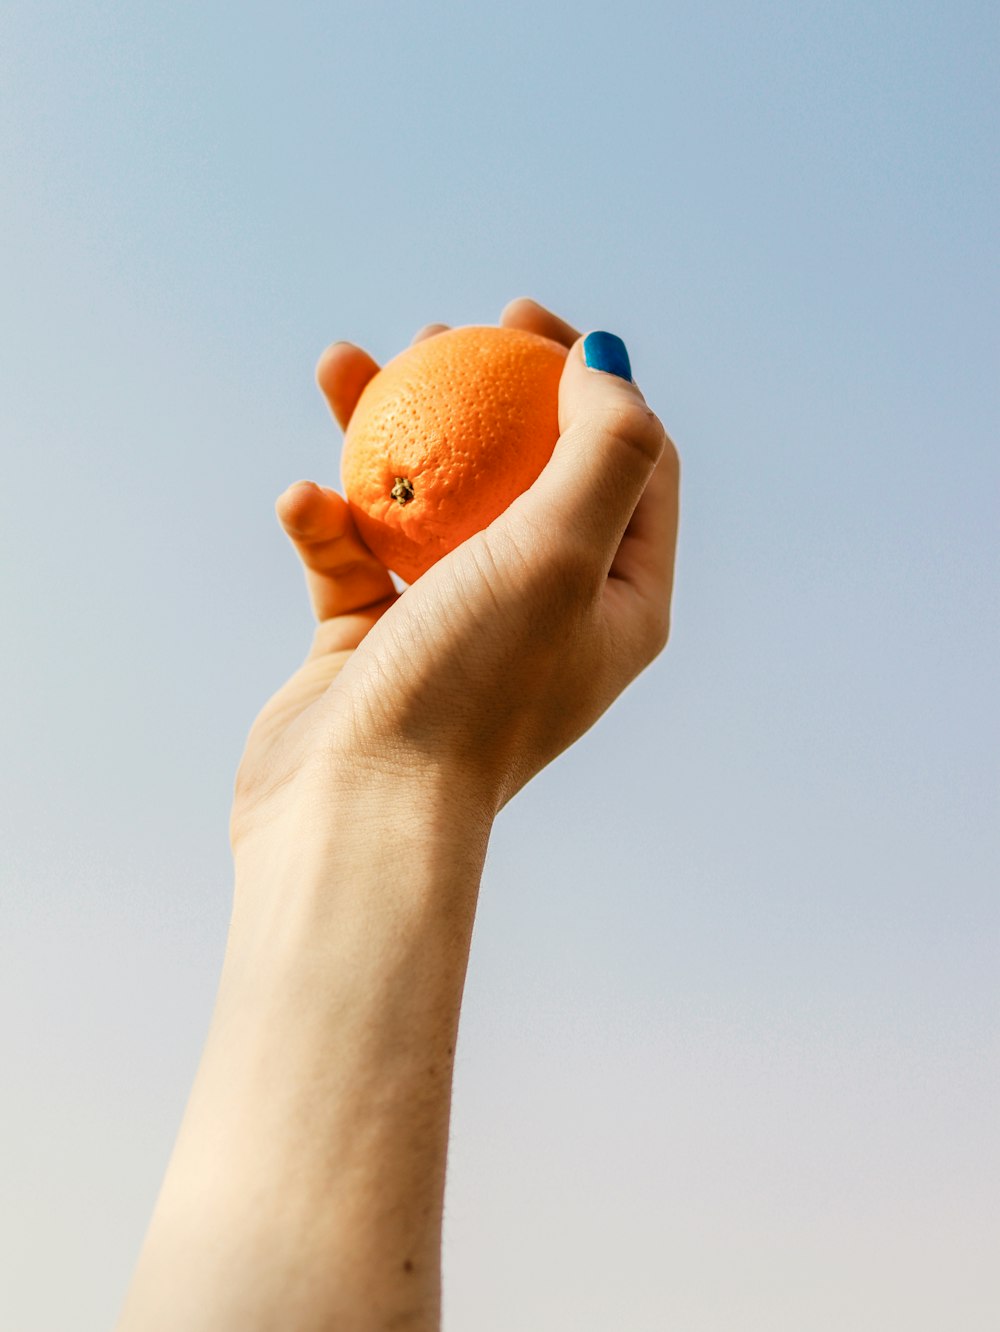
(638,427)
(670,458)
(654,633)
(660,632)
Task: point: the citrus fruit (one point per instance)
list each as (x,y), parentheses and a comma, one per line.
(445,436)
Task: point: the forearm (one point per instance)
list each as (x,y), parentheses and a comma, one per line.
(306,1187)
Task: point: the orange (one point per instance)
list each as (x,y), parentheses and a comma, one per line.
(445,437)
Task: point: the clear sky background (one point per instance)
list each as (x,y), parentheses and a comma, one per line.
(729,1055)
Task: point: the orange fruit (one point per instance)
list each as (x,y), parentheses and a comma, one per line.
(445,436)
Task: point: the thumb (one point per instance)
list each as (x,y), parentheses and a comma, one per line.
(609,443)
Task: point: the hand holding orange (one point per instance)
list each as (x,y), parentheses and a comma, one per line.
(508,649)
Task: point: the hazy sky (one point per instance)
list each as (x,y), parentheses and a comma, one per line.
(729,1056)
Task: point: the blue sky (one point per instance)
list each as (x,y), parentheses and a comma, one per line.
(729,1051)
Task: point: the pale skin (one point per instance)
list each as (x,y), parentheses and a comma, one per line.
(306,1185)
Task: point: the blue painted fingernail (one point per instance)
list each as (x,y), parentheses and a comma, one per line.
(603,351)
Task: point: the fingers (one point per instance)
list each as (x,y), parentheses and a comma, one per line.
(342,372)
(647,546)
(641,577)
(342,574)
(534,318)
(609,447)
(428,331)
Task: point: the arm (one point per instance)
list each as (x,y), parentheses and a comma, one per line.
(305,1190)
(306,1187)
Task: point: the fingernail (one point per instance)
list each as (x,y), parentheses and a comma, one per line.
(604,351)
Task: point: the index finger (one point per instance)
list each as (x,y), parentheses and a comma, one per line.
(342,372)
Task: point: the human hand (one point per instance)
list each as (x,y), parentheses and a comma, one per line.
(506,650)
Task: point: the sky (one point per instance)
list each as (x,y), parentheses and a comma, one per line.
(730,1048)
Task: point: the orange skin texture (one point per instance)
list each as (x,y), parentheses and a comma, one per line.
(469,417)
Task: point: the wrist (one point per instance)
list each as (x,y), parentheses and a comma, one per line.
(365,852)
(362,818)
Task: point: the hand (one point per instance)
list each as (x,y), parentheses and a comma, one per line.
(507,649)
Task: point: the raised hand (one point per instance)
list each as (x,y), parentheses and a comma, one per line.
(510,647)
